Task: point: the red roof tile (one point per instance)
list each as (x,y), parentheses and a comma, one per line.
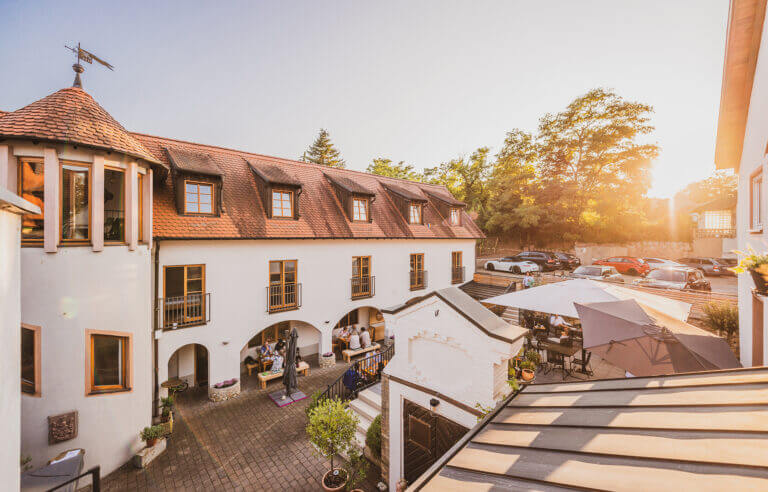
(72,116)
(321,214)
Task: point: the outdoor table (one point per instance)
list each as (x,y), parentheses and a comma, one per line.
(560,349)
(172,383)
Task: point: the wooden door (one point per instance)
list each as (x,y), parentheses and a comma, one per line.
(426,437)
(201,365)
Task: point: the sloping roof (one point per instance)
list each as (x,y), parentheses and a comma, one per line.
(722,203)
(742,46)
(193,162)
(272,173)
(321,214)
(445,197)
(409,193)
(696,431)
(72,116)
(473,311)
(348,184)
(14,203)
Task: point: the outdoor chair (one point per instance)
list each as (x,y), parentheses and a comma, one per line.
(584,364)
(557,360)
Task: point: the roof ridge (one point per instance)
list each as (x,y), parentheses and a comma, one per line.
(291,161)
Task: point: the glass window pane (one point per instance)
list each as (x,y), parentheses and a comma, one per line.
(174,281)
(114,205)
(192,207)
(27,360)
(205,208)
(75,211)
(191,188)
(107,360)
(195,272)
(205,189)
(32,189)
(205,199)
(194,286)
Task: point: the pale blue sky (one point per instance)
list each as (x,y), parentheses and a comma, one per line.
(420,81)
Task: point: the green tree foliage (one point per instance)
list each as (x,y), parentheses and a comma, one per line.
(331,428)
(723,318)
(722,184)
(385,167)
(322,151)
(466,178)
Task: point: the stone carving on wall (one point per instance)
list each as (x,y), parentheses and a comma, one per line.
(62,427)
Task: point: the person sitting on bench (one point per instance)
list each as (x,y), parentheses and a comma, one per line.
(365,338)
(354,341)
(265,350)
(277,362)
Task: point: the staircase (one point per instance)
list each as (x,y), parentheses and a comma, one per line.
(366,406)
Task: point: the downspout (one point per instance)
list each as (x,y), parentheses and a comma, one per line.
(156,388)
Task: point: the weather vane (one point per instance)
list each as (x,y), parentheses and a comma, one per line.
(87,57)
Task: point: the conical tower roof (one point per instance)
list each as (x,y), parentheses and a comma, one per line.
(72,116)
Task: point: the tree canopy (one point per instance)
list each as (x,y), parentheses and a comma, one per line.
(322,151)
(385,167)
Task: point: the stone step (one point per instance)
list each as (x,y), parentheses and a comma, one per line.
(371,397)
(364,409)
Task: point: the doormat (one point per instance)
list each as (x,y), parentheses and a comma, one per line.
(277,398)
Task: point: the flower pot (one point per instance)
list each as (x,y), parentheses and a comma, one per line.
(338,487)
(760,282)
(527,375)
(151,442)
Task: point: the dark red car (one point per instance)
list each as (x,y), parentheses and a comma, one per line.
(626,264)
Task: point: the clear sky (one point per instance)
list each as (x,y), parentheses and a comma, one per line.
(419,81)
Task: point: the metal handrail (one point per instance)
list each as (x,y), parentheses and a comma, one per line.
(457,275)
(418,279)
(182,311)
(363,287)
(95,473)
(283,297)
(365,373)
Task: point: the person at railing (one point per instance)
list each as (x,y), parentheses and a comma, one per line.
(365,338)
(354,340)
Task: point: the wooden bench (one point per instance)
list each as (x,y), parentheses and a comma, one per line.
(268,376)
(349,353)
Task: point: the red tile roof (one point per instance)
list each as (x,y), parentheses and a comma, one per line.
(321,214)
(72,116)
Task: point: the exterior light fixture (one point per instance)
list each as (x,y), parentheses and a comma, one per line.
(434,402)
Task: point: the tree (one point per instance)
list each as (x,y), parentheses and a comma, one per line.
(322,151)
(385,167)
(466,178)
(331,428)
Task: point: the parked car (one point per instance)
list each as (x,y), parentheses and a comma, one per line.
(709,266)
(546,260)
(511,264)
(675,278)
(656,263)
(626,264)
(568,260)
(597,272)
(728,263)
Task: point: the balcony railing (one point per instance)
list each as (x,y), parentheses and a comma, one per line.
(457,275)
(709,233)
(360,375)
(363,287)
(182,311)
(418,279)
(283,297)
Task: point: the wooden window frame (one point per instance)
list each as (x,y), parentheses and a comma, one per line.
(756,177)
(419,262)
(19,188)
(360,276)
(455,265)
(76,242)
(366,208)
(418,206)
(140,177)
(457,211)
(90,388)
(125,202)
(213,197)
(38,370)
(292,197)
(189,321)
(283,306)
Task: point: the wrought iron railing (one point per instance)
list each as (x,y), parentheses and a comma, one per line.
(360,375)
(95,474)
(283,297)
(418,279)
(708,233)
(457,275)
(182,311)
(363,287)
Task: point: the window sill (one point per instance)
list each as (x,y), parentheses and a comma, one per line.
(190,325)
(457,281)
(283,309)
(33,395)
(362,296)
(757,230)
(108,392)
(418,287)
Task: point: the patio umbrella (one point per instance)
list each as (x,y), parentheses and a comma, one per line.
(647,342)
(290,380)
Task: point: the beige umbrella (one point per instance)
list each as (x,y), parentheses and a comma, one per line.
(647,342)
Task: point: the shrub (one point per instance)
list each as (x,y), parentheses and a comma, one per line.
(358,466)
(722,317)
(373,436)
(527,364)
(332,427)
(533,356)
(314,400)
(154,432)
(167,405)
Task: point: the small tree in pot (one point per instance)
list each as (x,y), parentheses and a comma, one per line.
(331,429)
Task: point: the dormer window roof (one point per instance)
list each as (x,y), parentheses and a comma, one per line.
(273,175)
(447,205)
(185,161)
(355,198)
(410,202)
(198,181)
(278,188)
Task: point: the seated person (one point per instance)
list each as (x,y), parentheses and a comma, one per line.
(365,338)
(298,357)
(336,332)
(266,349)
(280,345)
(558,324)
(277,362)
(354,341)
(345,331)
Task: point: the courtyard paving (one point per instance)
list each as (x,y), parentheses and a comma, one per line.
(247,443)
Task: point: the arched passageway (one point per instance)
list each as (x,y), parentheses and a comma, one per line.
(191,364)
(308,342)
(367,317)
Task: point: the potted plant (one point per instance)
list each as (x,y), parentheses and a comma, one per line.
(150,435)
(757,266)
(327,359)
(358,467)
(527,369)
(166,416)
(331,429)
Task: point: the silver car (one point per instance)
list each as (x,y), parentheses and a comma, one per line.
(675,278)
(598,272)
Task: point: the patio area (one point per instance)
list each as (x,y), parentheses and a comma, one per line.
(247,443)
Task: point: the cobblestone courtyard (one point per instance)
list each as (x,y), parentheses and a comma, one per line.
(247,443)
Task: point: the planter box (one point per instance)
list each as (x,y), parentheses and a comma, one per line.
(222,394)
(146,455)
(329,361)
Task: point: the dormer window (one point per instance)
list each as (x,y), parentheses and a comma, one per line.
(415,213)
(360,209)
(198,198)
(282,203)
(455,217)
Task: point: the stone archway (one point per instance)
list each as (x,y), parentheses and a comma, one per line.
(190,363)
(368,317)
(309,343)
